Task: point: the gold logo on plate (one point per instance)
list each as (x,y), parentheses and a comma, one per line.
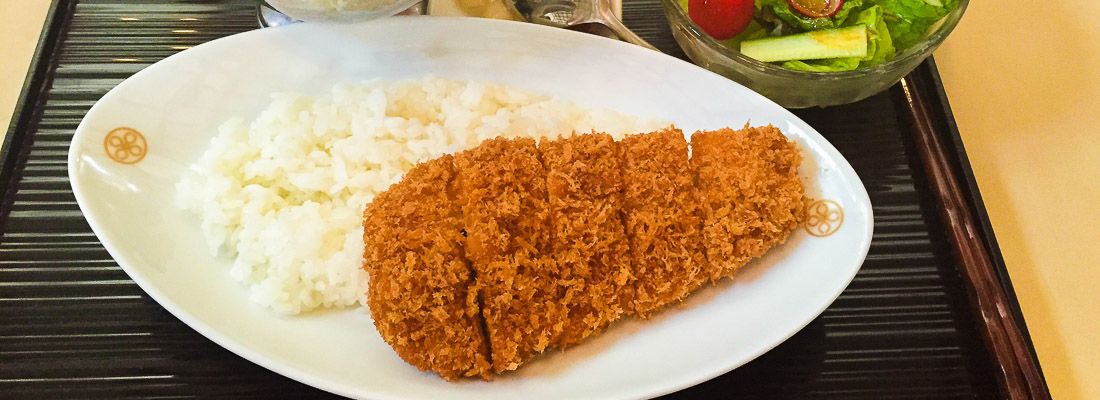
(823,218)
(125,145)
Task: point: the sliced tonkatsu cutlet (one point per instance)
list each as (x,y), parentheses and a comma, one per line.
(749,190)
(661,219)
(420,281)
(502,189)
(583,180)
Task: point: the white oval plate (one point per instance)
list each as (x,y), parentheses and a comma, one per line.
(177,104)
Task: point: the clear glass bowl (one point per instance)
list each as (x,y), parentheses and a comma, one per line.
(799,89)
(354,10)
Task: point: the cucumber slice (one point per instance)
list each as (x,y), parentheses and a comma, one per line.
(815,45)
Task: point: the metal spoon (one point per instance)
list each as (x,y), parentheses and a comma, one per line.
(567,13)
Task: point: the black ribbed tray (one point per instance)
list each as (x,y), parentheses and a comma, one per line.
(72,324)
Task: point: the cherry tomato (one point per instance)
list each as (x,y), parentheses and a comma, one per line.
(816,8)
(721,19)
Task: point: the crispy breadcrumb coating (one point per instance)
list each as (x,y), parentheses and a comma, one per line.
(749,190)
(584,185)
(420,281)
(662,219)
(502,187)
(481,261)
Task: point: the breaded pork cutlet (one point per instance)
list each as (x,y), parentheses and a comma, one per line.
(481,261)
(587,238)
(749,190)
(661,219)
(502,189)
(420,281)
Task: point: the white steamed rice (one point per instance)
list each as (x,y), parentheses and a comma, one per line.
(283,195)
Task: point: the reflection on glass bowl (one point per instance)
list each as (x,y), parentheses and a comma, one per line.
(800,89)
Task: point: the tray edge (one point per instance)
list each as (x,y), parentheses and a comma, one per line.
(24,115)
(970,233)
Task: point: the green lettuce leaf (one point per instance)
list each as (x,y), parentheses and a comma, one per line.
(908,20)
(751,32)
(880,45)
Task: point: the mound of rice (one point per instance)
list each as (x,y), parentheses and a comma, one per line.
(283,195)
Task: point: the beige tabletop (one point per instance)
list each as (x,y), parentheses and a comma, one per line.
(1023,82)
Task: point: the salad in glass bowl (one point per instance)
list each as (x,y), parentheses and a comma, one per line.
(818,35)
(803,53)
